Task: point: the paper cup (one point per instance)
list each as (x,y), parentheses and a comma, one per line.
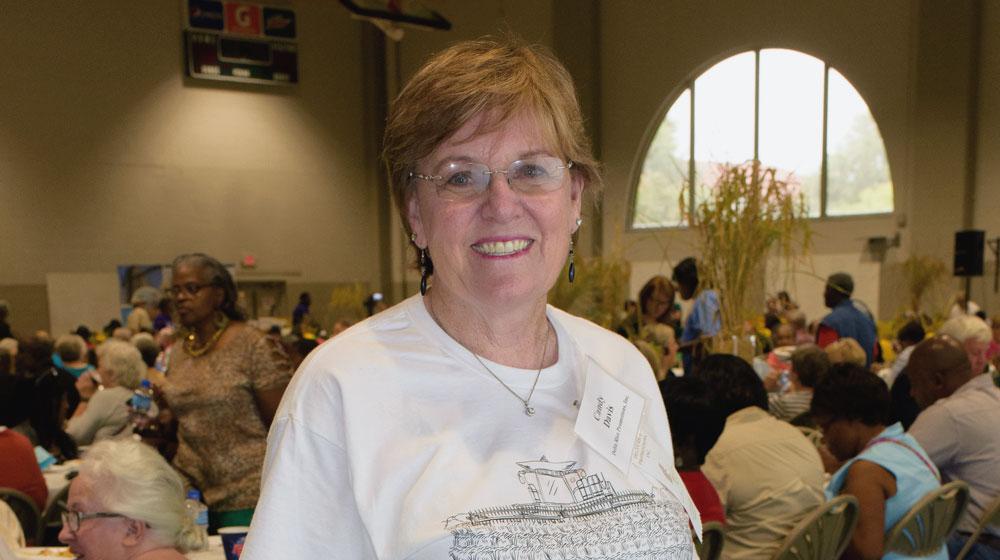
(232,541)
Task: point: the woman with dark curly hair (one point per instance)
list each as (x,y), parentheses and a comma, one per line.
(223,385)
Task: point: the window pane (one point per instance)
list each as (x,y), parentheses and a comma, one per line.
(664,172)
(723,118)
(791,119)
(858,180)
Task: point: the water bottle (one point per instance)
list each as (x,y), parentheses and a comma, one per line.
(142,399)
(784,382)
(197,510)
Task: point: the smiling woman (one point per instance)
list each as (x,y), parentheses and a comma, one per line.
(444,427)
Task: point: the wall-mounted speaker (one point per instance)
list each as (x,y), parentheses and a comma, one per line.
(969,245)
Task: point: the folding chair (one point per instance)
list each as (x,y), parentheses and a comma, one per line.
(823,534)
(27,513)
(991,516)
(926,527)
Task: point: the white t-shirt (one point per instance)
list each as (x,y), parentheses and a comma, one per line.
(393,442)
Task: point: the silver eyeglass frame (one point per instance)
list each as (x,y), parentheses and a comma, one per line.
(436,180)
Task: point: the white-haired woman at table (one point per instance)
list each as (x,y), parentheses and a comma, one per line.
(106,414)
(128,504)
(444,427)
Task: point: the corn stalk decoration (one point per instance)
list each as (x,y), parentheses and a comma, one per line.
(749,212)
(600,286)
(922,272)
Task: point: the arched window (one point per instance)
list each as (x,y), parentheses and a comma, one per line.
(789,110)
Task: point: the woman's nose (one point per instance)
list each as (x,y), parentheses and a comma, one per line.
(502,201)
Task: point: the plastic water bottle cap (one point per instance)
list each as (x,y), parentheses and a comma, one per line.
(146,384)
(194,494)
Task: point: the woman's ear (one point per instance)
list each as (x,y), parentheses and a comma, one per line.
(135,532)
(219,296)
(416,224)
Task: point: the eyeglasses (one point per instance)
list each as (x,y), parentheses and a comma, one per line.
(72,519)
(190,289)
(466,179)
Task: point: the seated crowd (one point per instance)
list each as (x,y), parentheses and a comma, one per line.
(759,445)
(754,440)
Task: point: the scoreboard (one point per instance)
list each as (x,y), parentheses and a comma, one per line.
(241,42)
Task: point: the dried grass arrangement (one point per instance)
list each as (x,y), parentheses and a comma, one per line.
(750,212)
(347,302)
(922,273)
(597,292)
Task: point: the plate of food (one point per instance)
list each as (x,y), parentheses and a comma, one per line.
(42,552)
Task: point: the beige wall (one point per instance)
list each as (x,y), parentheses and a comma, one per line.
(987,214)
(109,156)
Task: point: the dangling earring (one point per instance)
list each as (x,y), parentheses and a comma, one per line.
(572,252)
(572,267)
(426,269)
(426,266)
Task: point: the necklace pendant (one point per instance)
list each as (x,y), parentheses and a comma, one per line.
(528,411)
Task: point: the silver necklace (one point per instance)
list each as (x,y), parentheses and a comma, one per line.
(528,409)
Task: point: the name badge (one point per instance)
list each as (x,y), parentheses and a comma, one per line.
(609,418)
(656,463)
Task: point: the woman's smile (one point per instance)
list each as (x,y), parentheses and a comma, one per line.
(502,248)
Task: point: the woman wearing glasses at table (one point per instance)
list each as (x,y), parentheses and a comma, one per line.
(223,384)
(444,427)
(127,503)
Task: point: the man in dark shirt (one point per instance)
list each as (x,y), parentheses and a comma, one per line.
(845,319)
(301,311)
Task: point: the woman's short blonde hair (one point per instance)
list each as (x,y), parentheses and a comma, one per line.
(846,351)
(496,79)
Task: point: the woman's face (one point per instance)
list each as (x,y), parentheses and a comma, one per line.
(670,354)
(842,437)
(501,246)
(976,350)
(658,304)
(97,538)
(195,299)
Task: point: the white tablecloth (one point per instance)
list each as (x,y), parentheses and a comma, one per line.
(213,552)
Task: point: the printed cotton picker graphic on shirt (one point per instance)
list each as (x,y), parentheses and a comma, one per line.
(572,515)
